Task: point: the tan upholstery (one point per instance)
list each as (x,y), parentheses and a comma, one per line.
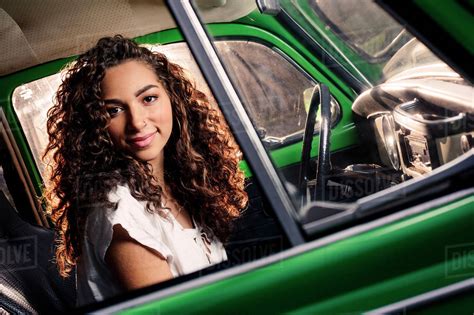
(36,31)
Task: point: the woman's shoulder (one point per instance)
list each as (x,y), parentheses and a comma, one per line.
(132,215)
(120,192)
(126,211)
(124,207)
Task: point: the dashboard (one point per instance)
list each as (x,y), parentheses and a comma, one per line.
(416,125)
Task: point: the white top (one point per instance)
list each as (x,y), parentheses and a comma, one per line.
(184,249)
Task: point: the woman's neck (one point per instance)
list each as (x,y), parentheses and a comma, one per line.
(159,179)
(158,167)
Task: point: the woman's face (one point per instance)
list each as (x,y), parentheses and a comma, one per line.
(140,110)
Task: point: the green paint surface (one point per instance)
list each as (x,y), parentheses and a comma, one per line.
(357,274)
(454,18)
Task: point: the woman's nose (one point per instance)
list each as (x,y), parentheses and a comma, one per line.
(137,118)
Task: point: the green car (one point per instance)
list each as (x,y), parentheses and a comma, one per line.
(356,123)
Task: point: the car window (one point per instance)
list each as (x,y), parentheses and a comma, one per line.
(350,20)
(274,90)
(270,86)
(390,134)
(31,101)
(256,233)
(385,153)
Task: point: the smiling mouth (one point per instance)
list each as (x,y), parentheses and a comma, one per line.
(142,142)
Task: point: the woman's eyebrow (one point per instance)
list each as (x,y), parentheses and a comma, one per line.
(113,101)
(145,88)
(137,93)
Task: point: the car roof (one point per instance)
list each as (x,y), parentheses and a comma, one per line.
(35,32)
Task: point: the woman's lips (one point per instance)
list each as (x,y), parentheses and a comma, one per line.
(142,142)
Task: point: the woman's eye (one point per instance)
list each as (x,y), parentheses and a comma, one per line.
(150,99)
(114,111)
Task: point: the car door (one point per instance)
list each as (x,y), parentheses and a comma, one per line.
(409,245)
(401,261)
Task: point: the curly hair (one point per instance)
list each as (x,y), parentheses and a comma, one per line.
(201,165)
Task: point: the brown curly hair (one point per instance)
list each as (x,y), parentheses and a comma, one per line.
(201,156)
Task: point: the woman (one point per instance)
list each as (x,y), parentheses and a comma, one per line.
(144,181)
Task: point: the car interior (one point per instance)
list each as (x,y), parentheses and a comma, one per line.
(414,131)
(37,287)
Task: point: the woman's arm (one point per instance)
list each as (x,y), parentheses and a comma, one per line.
(134,265)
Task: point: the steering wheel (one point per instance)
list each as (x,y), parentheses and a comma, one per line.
(320,95)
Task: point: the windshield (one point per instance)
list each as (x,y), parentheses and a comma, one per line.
(358,33)
(363,26)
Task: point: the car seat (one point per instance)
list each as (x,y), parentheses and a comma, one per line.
(29,279)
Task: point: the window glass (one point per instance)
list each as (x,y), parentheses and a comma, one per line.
(365,26)
(256,233)
(31,102)
(275,92)
(271,88)
(360,35)
(392,144)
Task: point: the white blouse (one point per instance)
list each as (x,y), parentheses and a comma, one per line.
(185,250)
